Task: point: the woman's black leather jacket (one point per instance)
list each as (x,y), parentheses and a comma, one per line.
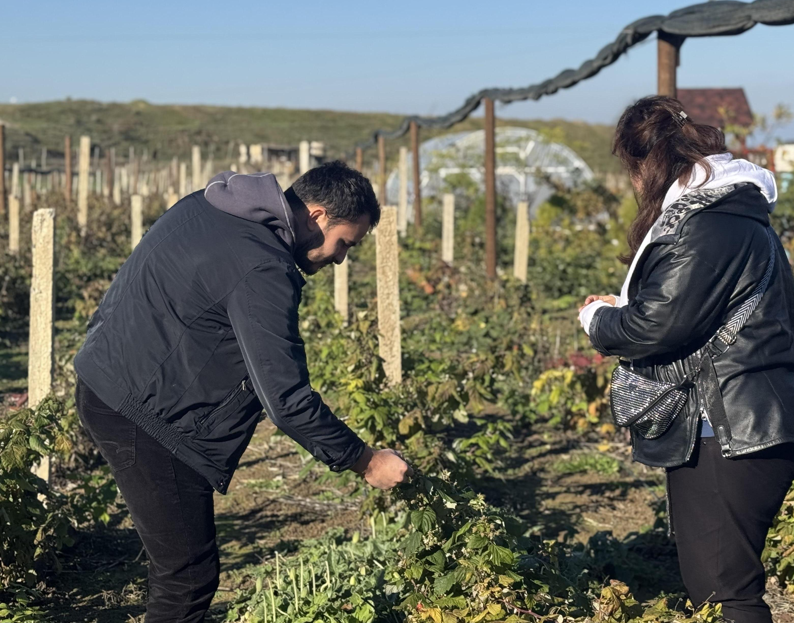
(697,270)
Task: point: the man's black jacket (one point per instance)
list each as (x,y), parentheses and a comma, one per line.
(700,267)
(199,331)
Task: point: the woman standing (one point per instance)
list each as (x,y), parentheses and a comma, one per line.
(708,303)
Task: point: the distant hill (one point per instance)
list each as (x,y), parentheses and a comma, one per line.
(171,130)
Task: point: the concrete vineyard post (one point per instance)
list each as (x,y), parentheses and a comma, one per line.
(15,180)
(27,192)
(13,224)
(172,197)
(137,219)
(117,185)
(402,203)
(107,178)
(490,189)
(341,289)
(82,183)
(182,179)
(303,157)
(2,170)
(417,176)
(196,168)
(67,162)
(521,256)
(40,357)
(448,230)
(388,275)
(382,170)
(359,159)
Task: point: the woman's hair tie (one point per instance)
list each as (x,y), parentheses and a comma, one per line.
(681,118)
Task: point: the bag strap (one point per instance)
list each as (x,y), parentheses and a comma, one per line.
(726,334)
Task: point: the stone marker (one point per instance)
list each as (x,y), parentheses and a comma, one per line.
(402,203)
(522,242)
(13,224)
(182,179)
(40,349)
(388,269)
(448,229)
(82,183)
(341,290)
(137,219)
(303,157)
(197,183)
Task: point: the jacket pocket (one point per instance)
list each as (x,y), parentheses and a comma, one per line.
(228,406)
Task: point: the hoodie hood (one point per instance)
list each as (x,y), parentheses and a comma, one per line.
(257,198)
(725,171)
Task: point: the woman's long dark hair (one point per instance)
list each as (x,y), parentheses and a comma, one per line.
(658,145)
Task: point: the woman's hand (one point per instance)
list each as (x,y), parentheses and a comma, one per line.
(609,300)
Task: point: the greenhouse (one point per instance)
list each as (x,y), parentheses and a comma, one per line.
(528,166)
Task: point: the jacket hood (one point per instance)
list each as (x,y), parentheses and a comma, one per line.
(725,171)
(257,198)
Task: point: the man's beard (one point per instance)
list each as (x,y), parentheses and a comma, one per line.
(302,250)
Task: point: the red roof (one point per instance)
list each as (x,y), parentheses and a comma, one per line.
(717,106)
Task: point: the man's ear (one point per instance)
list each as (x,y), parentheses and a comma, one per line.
(318,216)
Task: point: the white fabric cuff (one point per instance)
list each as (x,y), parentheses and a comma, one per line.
(586,315)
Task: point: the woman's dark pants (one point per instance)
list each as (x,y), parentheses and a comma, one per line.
(171,506)
(721,511)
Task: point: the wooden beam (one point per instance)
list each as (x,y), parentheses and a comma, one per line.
(382,170)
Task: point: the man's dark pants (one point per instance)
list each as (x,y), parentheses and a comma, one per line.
(171,506)
(722,510)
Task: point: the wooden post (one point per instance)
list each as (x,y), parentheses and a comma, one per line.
(522,242)
(67,163)
(417,176)
(341,290)
(303,157)
(2,170)
(27,192)
(359,159)
(490,189)
(13,224)
(382,170)
(402,203)
(448,229)
(668,51)
(40,353)
(137,219)
(182,179)
(197,168)
(388,270)
(83,163)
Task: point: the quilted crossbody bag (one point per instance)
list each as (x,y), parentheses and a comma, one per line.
(648,406)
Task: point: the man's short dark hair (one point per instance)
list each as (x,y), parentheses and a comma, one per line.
(344,192)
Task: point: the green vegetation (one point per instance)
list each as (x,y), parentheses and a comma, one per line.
(171,130)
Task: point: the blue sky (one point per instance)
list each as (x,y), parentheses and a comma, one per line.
(408,57)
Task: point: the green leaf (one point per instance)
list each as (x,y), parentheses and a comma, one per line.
(477,542)
(444,583)
(423,520)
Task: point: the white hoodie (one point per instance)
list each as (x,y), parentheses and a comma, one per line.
(724,171)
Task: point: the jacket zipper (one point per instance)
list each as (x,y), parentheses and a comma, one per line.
(239,389)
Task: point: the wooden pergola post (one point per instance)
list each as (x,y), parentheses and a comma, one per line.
(359,159)
(417,176)
(2,170)
(490,189)
(668,58)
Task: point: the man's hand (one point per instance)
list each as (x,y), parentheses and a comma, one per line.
(382,469)
(610,300)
